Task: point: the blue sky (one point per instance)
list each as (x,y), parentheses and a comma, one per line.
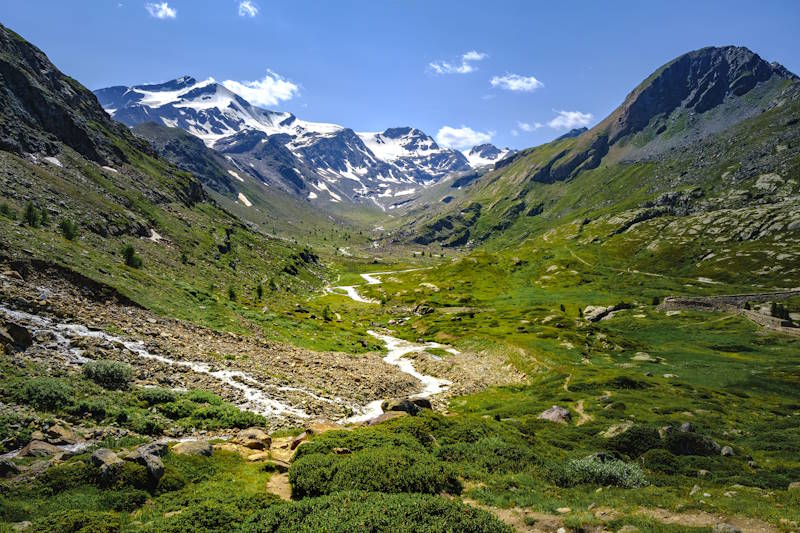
(516,72)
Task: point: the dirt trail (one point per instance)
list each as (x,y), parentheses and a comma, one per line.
(703,519)
(582,416)
(278,485)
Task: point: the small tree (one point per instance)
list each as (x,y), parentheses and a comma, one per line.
(68,229)
(326,313)
(563,309)
(31,216)
(131,259)
(656,300)
(231,294)
(6,211)
(44,217)
(184,258)
(260,291)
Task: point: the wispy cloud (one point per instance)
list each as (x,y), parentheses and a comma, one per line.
(161,10)
(529,127)
(269,91)
(465,67)
(566,120)
(517,83)
(462,138)
(247,8)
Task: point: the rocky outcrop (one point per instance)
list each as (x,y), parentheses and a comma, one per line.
(556,414)
(107,462)
(193,447)
(38,448)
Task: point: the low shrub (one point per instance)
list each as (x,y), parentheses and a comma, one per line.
(592,471)
(489,454)
(74,521)
(660,460)
(96,408)
(380,469)
(68,229)
(635,441)
(363,511)
(146,424)
(109,374)
(358,440)
(65,476)
(202,396)
(46,393)
(156,395)
(686,443)
(126,500)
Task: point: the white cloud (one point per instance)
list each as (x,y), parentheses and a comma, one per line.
(466,66)
(269,91)
(526,126)
(247,8)
(515,82)
(566,120)
(161,11)
(462,138)
(515,133)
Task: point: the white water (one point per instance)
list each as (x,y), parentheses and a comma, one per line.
(397,350)
(256,400)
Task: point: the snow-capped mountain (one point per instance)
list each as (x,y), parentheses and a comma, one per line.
(486,154)
(319,161)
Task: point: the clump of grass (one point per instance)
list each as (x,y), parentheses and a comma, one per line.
(109,374)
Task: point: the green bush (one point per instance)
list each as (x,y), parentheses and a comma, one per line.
(96,408)
(178,409)
(32,216)
(146,424)
(126,500)
(222,417)
(171,481)
(358,440)
(660,460)
(592,471)
(130,256)
(380,469)
(46,393)
(75,521)
(202,396)
(109,374)
(66,476)
(6,211)
(489,454)
(635,441)
(360,511)
(131,476)
(685,443)
(156,396)
(68,229)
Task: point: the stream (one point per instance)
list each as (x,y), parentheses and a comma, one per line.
(60,337)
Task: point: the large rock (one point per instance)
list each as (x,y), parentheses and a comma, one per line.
(149,456)
(59,434)
(38,448)
(727,451)
(254,438)
(8,468)
(107,461)
(725,528)
(794,485)
(193,447)
(556,414)
(20,336)
(411,406)
(385,417)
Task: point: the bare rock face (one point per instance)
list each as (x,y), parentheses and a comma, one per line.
(14,334)
(557,414)
(59,434)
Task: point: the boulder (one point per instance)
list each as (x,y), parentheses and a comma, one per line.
(254,438)
(59,434)
(107,461)
(8,468)
(298,440)
(557,414)
(149,456)
(726,451)
(794,485)
(258,457)
(422,403)
(38,448)
(193,447)
(404,405)
(276,465)
(318,428)
(19,335)
(686,427)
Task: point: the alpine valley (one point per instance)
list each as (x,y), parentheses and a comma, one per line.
(218,317)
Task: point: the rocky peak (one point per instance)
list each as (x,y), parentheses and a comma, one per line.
(697,82)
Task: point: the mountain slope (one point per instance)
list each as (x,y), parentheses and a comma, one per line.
(696,123)
(321,162)
(65,161)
